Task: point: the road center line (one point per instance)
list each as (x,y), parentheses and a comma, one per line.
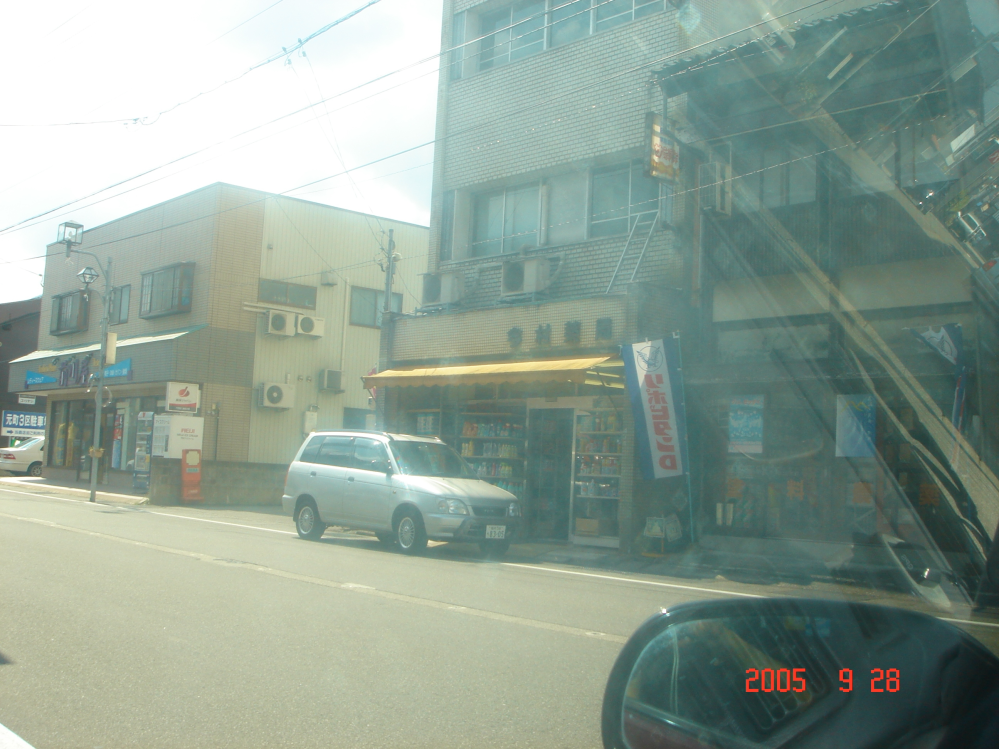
(676,586)
(348,587)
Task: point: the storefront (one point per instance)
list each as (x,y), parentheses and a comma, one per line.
(557,434)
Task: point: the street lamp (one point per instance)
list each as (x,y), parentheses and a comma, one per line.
(88,275)
(71,235)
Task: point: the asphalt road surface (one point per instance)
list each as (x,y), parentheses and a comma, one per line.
(159,627)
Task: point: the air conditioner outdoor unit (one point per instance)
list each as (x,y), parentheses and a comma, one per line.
(525,276)
(280,323)
(443,288)
(311,326)
(716,187)
(277,395)
(329,379)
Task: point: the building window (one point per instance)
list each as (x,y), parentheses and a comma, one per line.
(69,313)
(774,177)
(367,305)
(605,328)
(528,27)
(167,291)
(616,12)
(118,312)
(505,221)
(620,196)
(512,33)
(356,418)
(293,294)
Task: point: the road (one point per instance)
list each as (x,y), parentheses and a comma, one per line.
(174,627)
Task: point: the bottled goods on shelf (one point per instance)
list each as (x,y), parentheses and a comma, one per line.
(597,465)
(492,428)
(502,470)
(426,423)
(489,450)
(600,421)
(595,488)
(591,444)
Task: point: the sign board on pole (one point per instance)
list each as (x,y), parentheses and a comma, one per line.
(183,397)
(22,424)
(652,371)
(174,433)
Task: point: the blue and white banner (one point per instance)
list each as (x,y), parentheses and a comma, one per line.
(121,369)
(22,424)
(37,378)
(949,343)
(655,386)
(856,424)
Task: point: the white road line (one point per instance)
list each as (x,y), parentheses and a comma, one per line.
(220,522)
(354,588)
(633,580)
(151,512)
(10,740)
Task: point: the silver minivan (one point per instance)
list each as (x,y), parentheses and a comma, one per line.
(406,489)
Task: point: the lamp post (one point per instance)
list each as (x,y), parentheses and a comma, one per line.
(71,235)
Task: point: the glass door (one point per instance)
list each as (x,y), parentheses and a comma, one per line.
(596,480)
(549,472)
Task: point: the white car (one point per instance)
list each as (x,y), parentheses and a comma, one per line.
(27,457)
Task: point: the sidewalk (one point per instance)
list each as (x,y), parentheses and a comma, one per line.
(68,489)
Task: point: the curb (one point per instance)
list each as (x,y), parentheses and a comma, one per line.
(39,487)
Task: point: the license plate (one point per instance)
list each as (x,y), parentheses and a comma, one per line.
(495,531)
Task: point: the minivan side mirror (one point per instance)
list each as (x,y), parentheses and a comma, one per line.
(793,673)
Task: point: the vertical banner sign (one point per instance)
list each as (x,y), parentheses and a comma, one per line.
(652,371)
(855,426)
(745,424)
(664,152)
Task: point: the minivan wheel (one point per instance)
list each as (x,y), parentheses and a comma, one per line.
(494,548)
(410,533)
(35,469)
(307,522)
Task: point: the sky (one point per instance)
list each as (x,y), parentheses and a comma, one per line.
(122,63)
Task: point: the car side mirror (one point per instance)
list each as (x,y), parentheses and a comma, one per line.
(784,672)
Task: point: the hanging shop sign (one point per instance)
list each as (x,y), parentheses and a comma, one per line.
(655,386)
(183,397)
(745,424)
(855,426)
(121,369)
(663,149)
(22,424)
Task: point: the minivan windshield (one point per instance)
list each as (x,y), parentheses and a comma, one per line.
(429,459)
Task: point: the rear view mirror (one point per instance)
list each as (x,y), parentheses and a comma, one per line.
(800,673)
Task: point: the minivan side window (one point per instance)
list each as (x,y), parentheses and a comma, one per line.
(335,451)
(370,455)
(311,451)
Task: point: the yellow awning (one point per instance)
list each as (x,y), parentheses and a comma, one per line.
(494,373)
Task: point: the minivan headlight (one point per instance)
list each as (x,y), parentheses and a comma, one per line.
(452,506)
(513,510)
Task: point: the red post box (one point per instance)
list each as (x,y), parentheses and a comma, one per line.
(190,476)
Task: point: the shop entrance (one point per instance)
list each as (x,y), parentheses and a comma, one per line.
(549,471)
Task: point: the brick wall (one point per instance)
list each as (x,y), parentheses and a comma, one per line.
(222,483)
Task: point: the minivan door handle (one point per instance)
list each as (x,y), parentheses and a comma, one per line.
(312,473)
(350,478)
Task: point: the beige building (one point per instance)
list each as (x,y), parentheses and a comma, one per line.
(270,306)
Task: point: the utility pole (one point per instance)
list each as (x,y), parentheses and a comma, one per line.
(389,270)
(96,453)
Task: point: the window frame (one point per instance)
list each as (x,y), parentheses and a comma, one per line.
(638,10)
(286,300)
(504,238)
(115,308)
(378,306)
(633,168)
(183,276)
(82,317)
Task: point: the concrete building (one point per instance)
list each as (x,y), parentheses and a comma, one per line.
(267,307)
(18,336)
(790,231)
